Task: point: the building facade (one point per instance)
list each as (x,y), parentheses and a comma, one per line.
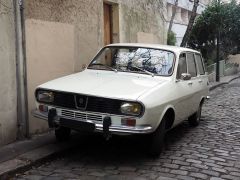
(183,13)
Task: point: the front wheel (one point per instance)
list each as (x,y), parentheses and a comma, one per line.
(157,139)
(62,133)
(194,119)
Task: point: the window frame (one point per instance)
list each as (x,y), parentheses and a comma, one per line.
(201,59)
(161,49)
(178,64)
(193,53)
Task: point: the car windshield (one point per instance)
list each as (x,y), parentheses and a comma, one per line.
(134,59)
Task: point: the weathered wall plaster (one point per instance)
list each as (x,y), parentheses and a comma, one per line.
(8,92)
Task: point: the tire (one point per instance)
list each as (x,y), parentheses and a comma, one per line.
(62,133)
(194,119)
(157,139)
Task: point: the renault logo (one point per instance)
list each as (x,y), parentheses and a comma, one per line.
(81,100)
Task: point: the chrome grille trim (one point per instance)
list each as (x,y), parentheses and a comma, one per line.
(80,115)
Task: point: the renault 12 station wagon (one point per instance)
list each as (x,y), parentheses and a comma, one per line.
(127,89)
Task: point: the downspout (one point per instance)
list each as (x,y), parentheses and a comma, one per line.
(21,73)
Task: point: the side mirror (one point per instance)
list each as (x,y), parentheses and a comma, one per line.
(185,76)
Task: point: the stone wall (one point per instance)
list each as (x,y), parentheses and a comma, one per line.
(8,92)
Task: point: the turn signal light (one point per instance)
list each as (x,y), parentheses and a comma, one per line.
(128,122)
(43,108)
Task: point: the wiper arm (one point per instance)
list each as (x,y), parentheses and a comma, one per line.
(109,67)
(143,70)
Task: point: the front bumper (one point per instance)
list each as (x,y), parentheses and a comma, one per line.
(115,129)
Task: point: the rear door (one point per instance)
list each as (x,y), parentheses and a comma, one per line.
(193,83)
(202,77)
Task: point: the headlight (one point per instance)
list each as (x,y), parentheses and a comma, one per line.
(45,96)
(130,108)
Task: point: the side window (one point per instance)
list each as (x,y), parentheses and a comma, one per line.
(199,64)
(182,65)
(191,64)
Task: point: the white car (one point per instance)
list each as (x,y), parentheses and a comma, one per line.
(127,89)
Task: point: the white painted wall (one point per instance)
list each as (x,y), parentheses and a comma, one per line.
(50,54)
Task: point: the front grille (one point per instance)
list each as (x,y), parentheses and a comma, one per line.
(103,105)
(94,117)
(80,116)
(64,100)
(94,104)
(68,114)
(85,103)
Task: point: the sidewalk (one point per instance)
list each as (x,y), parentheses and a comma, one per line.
(22,155)
(223,80)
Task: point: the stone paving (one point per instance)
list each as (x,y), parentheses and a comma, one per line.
(209,151)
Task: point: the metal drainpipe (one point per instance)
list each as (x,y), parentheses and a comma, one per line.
(22,100)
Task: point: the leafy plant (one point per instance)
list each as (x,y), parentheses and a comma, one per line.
(171,40)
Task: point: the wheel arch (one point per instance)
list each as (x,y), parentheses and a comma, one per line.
(168,111)
(202,100)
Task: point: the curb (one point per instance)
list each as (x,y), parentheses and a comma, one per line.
(222,83)
(35,157)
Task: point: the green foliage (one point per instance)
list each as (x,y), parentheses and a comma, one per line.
(224,17)
(171,40)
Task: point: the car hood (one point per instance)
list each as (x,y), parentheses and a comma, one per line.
(117,85)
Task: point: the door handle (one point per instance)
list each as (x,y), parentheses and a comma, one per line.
(200,81)
(190,83)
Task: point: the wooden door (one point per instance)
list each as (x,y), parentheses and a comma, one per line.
(107,24)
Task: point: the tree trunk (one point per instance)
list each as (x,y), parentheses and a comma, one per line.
(173,16)
(190,24)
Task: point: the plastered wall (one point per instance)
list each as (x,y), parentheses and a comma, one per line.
(50,54)
(8,97)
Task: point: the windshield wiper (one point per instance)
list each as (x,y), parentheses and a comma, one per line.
(109,67)
(143,70)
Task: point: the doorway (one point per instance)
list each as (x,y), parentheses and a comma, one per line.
(111,23)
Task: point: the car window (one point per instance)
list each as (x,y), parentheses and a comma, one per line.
(135,60)
(199,64)
(191,65)
(182,65)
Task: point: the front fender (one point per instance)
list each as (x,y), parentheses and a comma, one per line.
(167,107)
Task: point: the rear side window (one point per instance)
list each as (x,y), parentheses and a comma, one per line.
(191,65)
(199,64)
(182,65)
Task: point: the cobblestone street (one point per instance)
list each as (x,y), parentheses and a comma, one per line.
(209,151)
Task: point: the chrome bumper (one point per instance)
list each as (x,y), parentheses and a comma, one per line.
(118,129)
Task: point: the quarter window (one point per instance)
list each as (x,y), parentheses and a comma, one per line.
(191,65)
(199,64)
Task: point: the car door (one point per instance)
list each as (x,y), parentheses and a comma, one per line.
(193,83)
(202,77)
(183,91)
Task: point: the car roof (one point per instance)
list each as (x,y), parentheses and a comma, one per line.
(175,49)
